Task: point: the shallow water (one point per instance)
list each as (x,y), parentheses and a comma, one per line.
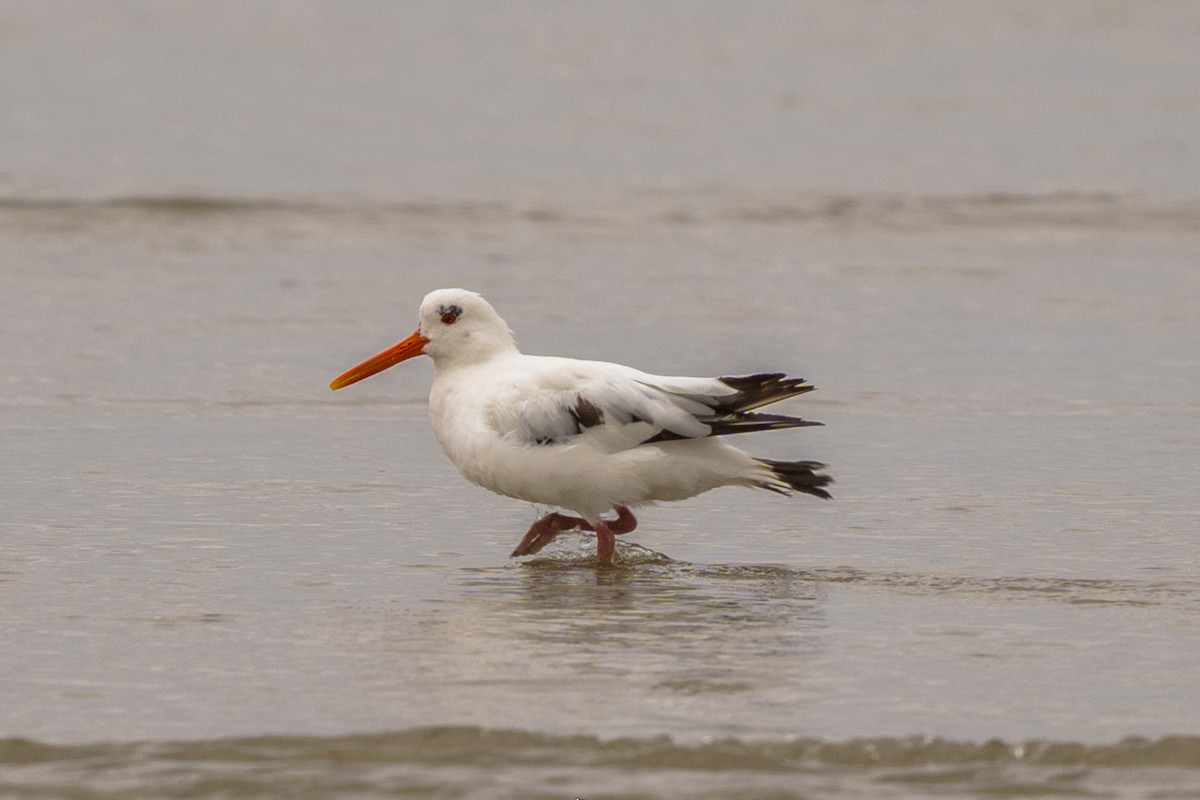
(203,542)
(219,579)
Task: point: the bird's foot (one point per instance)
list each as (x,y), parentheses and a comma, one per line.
(543,532)
(546,529)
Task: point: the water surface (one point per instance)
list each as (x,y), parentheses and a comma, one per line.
(219,578)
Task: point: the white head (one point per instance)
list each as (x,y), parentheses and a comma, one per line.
(461,327)
(457,326)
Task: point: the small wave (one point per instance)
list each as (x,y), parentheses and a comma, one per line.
(1079,591)
(1068,210)
(459,760)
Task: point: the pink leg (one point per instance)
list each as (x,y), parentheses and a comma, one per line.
(606,533)
(624,523)
(542,533)
(606,542)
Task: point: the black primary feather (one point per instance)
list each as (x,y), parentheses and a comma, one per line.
(740,422)
(800,475)
(755,391)
(733,414)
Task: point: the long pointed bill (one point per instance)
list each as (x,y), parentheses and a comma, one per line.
(414,345)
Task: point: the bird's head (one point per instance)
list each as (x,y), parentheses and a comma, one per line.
(456,326)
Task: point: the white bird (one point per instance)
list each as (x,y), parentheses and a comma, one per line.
(585,436)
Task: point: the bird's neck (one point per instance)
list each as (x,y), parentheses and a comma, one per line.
(479,352)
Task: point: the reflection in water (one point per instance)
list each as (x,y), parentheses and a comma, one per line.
(667,643)
(690,639)
(654,644)
(666,615)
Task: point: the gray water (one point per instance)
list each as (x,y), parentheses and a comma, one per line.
(974,228)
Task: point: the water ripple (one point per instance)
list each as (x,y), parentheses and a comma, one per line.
(467,761)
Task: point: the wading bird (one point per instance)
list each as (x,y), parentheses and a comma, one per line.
(586,436)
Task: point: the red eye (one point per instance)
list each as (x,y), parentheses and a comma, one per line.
(450,314)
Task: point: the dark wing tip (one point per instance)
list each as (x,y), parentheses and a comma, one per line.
(751,421)
(801,476)
(759,390)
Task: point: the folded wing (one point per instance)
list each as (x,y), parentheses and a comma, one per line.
(617,408)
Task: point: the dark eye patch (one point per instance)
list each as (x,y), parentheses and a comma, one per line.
(450,314)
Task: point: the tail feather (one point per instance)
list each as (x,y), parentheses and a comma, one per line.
(800,476)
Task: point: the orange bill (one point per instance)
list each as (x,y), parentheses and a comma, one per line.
(414,345)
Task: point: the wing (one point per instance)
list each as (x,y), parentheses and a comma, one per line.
(730,404)
(617,408)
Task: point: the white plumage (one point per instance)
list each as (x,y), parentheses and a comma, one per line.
(585,436)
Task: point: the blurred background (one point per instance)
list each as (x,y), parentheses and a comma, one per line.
(550,102)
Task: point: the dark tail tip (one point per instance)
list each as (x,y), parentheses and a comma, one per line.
(799,475)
